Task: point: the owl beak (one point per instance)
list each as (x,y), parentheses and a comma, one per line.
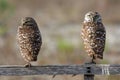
(92,19)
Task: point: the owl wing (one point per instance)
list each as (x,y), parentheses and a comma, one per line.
(99,40)
(37,39)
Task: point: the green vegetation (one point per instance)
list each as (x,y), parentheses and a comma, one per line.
(3,30)
(65,46)
(3,5)
(6,10)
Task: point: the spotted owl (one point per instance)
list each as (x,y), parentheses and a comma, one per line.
(93,34)
(29,40)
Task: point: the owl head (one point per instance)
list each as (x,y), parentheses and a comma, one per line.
(92,17)
(28,21)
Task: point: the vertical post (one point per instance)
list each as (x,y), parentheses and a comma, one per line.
(88,75)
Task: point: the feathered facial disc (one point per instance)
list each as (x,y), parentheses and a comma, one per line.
(28,21)
(92,17)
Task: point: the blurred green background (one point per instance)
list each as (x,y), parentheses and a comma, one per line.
(60,25)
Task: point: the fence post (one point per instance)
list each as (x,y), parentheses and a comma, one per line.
(88,74)
(88,77)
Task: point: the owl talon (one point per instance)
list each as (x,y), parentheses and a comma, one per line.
(28,65)
(93,62)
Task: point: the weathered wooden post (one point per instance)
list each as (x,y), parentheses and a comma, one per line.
(89,75)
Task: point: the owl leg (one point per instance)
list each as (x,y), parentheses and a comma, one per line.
(28,64)
(93,59)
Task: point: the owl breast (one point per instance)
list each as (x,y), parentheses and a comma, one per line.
(93,35)
(29,40)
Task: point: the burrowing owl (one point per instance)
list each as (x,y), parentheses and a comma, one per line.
(93,35)
(29,39)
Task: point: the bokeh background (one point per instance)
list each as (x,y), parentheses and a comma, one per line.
(60,23)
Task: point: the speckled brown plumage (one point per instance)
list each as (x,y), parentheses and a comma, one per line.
(94,35)
(29,39)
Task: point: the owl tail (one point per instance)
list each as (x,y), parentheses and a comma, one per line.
(100,56)
(33,58)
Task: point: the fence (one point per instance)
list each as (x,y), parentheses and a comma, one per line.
(88,70)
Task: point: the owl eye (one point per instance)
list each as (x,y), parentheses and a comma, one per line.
(88,15)
(96,12)
(96,16)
